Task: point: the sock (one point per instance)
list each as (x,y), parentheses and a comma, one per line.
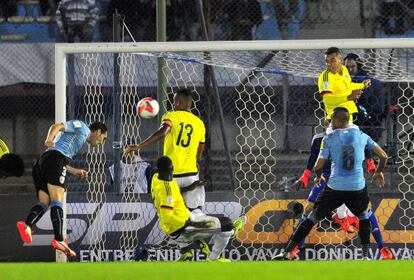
(341,211)
(56,215)
(301,232)
(302,242)
(35,214)
(221,239)
(364,233)
(375,230)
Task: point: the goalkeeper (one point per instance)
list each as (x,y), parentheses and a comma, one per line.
(176,220)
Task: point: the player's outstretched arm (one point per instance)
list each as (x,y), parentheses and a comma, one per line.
(191,187)
(76,171)
(154,138)
(378,178)
(318,170)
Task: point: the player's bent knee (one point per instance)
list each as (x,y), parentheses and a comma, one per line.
(226,224)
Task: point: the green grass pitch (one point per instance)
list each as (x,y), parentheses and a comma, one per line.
(333,270)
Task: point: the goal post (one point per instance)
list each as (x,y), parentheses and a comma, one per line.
(269,92)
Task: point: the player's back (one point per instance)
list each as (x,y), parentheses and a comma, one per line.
(181,144)
(345,148)
(166,194)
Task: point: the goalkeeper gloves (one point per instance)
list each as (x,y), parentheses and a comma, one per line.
(304,180)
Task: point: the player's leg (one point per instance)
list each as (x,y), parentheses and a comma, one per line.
(357,202)
(376,232)
(38,210)
(327,201)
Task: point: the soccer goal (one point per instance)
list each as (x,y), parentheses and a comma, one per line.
(268,93)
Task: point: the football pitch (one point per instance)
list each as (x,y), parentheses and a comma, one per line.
(391,270)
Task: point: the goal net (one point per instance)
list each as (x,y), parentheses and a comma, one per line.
(268,93)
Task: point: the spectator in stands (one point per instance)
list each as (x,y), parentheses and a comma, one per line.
(371,104)
(8,8)
(48,6)
(77,19)
(244,15)
(392,17)
(285,12)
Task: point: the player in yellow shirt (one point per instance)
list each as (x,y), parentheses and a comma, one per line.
(176,220)
(184,137)
(336,87)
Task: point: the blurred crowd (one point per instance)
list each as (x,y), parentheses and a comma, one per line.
(91,20)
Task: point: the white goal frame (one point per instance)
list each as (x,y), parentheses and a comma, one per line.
(62,50)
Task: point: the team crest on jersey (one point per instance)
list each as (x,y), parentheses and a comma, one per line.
(325,85)
(77,124)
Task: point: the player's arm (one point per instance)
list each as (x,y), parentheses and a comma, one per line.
(51,134)
(200,150)
(324,155)
(76,171)
(154,138)
(378,178)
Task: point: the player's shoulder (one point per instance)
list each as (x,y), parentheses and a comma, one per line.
(324,76)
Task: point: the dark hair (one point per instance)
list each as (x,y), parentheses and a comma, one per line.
(164,165)
(332,50)
(98,125)
(185,92)
(358,60)
(341,114)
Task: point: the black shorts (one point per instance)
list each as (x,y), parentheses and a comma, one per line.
(50,168)
(329,200)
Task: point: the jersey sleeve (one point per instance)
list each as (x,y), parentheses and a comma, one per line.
(370,143)
(324,153)
(355,86)
(323,82)
(165,197)
(168,119)
(315,148)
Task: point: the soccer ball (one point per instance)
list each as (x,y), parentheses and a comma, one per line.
(148,108)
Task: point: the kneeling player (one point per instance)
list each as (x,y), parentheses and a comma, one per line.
(176,220)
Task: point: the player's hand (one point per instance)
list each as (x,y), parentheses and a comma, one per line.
(131,148)
(354,95)
(367,83)
(378,179)
(303,181)
(317,181)
(49,143)
(82,173)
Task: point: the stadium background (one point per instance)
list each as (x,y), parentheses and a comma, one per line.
(28,32)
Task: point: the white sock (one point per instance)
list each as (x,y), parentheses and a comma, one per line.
(220,242)
(342,211)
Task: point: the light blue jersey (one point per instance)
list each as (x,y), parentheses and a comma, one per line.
(72,139)
(345,148)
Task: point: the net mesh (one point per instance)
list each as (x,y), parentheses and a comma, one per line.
(271,112)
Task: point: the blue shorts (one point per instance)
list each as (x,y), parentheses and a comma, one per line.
(316,190)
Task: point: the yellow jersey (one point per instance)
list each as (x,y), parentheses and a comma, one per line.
(181,143)
(3,148)
(335,89)
(169,204)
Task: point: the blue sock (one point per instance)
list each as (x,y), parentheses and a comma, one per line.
(375,230)
(302,243)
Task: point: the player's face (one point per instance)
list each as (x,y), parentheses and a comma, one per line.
(333,62)
(97,137)
(352,66)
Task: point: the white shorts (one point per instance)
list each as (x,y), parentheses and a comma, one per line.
(195,198)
